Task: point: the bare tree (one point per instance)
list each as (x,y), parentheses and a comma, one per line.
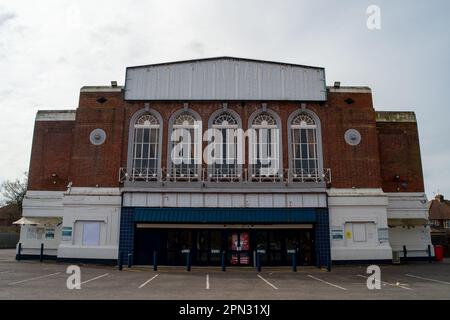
(13,192)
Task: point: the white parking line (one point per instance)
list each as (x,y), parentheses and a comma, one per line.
(207,282)
(428,279)
(96,278)
(148,281)
(270,284)
(31,279)
(326,282)
(397,285)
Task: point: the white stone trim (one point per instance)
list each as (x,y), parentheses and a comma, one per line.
(56,115)
(101,89)
(350,90)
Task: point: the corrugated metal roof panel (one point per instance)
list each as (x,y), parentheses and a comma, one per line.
(225,79)
(225,215)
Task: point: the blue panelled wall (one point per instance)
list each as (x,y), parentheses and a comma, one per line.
(317,216)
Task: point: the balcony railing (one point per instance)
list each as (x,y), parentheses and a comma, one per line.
(195,174)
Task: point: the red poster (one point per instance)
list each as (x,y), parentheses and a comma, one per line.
(240,242)
(244,242)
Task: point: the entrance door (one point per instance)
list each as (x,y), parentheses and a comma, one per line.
(239,248)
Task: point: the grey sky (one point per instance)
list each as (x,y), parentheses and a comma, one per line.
(49,49)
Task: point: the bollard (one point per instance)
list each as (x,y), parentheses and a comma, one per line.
(258,261)
(294,262)
(19,254)
(405,254)
(429,253)
(188,261)
(120,262)
(155,261)
(41,256)
(130,258)
(223,262)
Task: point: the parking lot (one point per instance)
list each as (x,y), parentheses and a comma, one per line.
(47,280)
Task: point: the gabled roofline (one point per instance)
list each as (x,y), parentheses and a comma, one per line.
(224,57)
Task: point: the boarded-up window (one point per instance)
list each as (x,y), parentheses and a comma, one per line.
(91,233)
(359,232)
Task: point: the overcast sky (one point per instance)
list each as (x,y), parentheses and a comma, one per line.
(50,49)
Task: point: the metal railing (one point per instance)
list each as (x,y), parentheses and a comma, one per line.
(197,174)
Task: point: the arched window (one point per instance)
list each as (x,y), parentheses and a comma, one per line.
(225,146)
(265,147)
(185,151)
(146,151)
(304,147)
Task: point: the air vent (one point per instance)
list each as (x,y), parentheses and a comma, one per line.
(350,101)
(102,100)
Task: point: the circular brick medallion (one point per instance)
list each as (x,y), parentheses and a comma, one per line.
(97,137)
(353,137)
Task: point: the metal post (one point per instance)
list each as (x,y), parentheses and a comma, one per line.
(223,262)
(130,260)
(155,261)
(120,262)
(429,253)
(294,262)
(188,261)
(41,256)
(405,254)
(19,254)
(258,261)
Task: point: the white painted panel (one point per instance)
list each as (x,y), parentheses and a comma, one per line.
(184,200)
(252,201)
(225,200)
(170,200)
(294,200)
(128,200)
(154,200)
(197,200)
(211,200)
(265,201)
(359,232)
(238,200)
(91,234)
(322,200)
(279,200)
(139,199)
(310,201)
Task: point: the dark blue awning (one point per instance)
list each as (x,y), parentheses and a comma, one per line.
(226,215)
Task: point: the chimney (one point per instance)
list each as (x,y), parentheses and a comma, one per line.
(337,84)
(114,84)
(440,197)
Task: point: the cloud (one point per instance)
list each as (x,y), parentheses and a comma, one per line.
(196,47)
(6,16)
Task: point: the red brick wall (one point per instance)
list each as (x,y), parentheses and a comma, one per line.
(400,157)
(90,165)
(98,165)
(51,154)
(351,166)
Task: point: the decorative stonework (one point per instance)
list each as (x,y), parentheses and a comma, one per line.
(353,137)
(97,137)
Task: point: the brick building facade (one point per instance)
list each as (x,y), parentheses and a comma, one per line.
(357,195)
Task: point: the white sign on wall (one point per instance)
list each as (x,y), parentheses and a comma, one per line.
(66,233)
(337,233)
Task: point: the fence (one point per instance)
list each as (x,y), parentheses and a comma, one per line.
(9,240)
